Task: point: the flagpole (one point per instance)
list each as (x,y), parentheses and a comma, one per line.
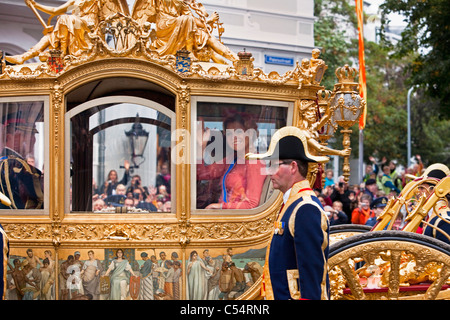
(361,156)
(362,86)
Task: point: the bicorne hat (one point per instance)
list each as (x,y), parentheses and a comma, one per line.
(379,202)
(288,143)
(437,171)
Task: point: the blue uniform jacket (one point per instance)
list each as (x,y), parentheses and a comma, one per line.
(442,225)
(20,182)
(302,245)
(4,255)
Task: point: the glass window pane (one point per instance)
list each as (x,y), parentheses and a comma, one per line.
(225,133)
(120,160)
(22,154)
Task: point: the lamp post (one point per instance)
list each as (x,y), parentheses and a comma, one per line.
(137,138)
(327,126)
(408,144)
(347,105)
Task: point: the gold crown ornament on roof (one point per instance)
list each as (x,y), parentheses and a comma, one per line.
(346,79)
(244,55)
(244,66)
(346,74)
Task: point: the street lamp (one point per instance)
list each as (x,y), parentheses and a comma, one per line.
(137,138)
(347,105)
(408,155)
(327,125)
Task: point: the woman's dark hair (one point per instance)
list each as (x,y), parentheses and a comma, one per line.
(235,118)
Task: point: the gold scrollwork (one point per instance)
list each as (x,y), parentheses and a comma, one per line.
(395,263)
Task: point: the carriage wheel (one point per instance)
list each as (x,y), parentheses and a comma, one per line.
(389,265)
(343,231)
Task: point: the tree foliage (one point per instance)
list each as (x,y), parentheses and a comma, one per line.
(426,39)
(330,35)
(389,71)
(384,134)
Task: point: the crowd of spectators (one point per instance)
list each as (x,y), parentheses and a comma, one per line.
(130,193)
(363,203)
(344,203)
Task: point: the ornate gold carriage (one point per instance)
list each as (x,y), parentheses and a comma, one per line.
(111,99)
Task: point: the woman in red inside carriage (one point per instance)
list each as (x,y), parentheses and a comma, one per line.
(241,180)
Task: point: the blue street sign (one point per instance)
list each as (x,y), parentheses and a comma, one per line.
(279,60)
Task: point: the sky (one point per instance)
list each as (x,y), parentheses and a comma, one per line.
(396,19)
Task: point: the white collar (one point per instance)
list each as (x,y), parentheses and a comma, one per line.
(286,195)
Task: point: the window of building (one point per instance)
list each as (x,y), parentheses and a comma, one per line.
(224,133)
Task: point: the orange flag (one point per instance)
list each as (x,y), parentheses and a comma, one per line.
(362,64)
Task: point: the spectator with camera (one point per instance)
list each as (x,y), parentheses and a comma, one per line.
(336,216)
(138,194)
(341,193)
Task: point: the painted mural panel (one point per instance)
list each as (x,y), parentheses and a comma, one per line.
(120,274)
(222,274)
(132,274)
(31,274)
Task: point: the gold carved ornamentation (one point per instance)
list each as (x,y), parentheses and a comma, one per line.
(414,202)
(84,32)
(133,37)
(184,231)
(244,66)
(120,231)
(310,123)
(41,232)
(388,264)
(231,231)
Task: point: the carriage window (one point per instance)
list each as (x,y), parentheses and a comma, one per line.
(120,160)
(225,133)
(22,155)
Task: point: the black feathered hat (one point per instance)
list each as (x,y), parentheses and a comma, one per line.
(288,143)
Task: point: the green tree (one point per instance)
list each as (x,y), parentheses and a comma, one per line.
(384,134)
(426,39)
(389,75)
(331,35)
(336,48)
(429,131)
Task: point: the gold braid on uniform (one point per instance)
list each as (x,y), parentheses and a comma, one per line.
(4,166)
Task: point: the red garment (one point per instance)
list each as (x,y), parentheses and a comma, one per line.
(360,216)
(243,183)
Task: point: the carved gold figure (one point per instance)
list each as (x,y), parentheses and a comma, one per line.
(177,28)
(308,122)
(305,76)
(317,67)
(69,33)
(179,25)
